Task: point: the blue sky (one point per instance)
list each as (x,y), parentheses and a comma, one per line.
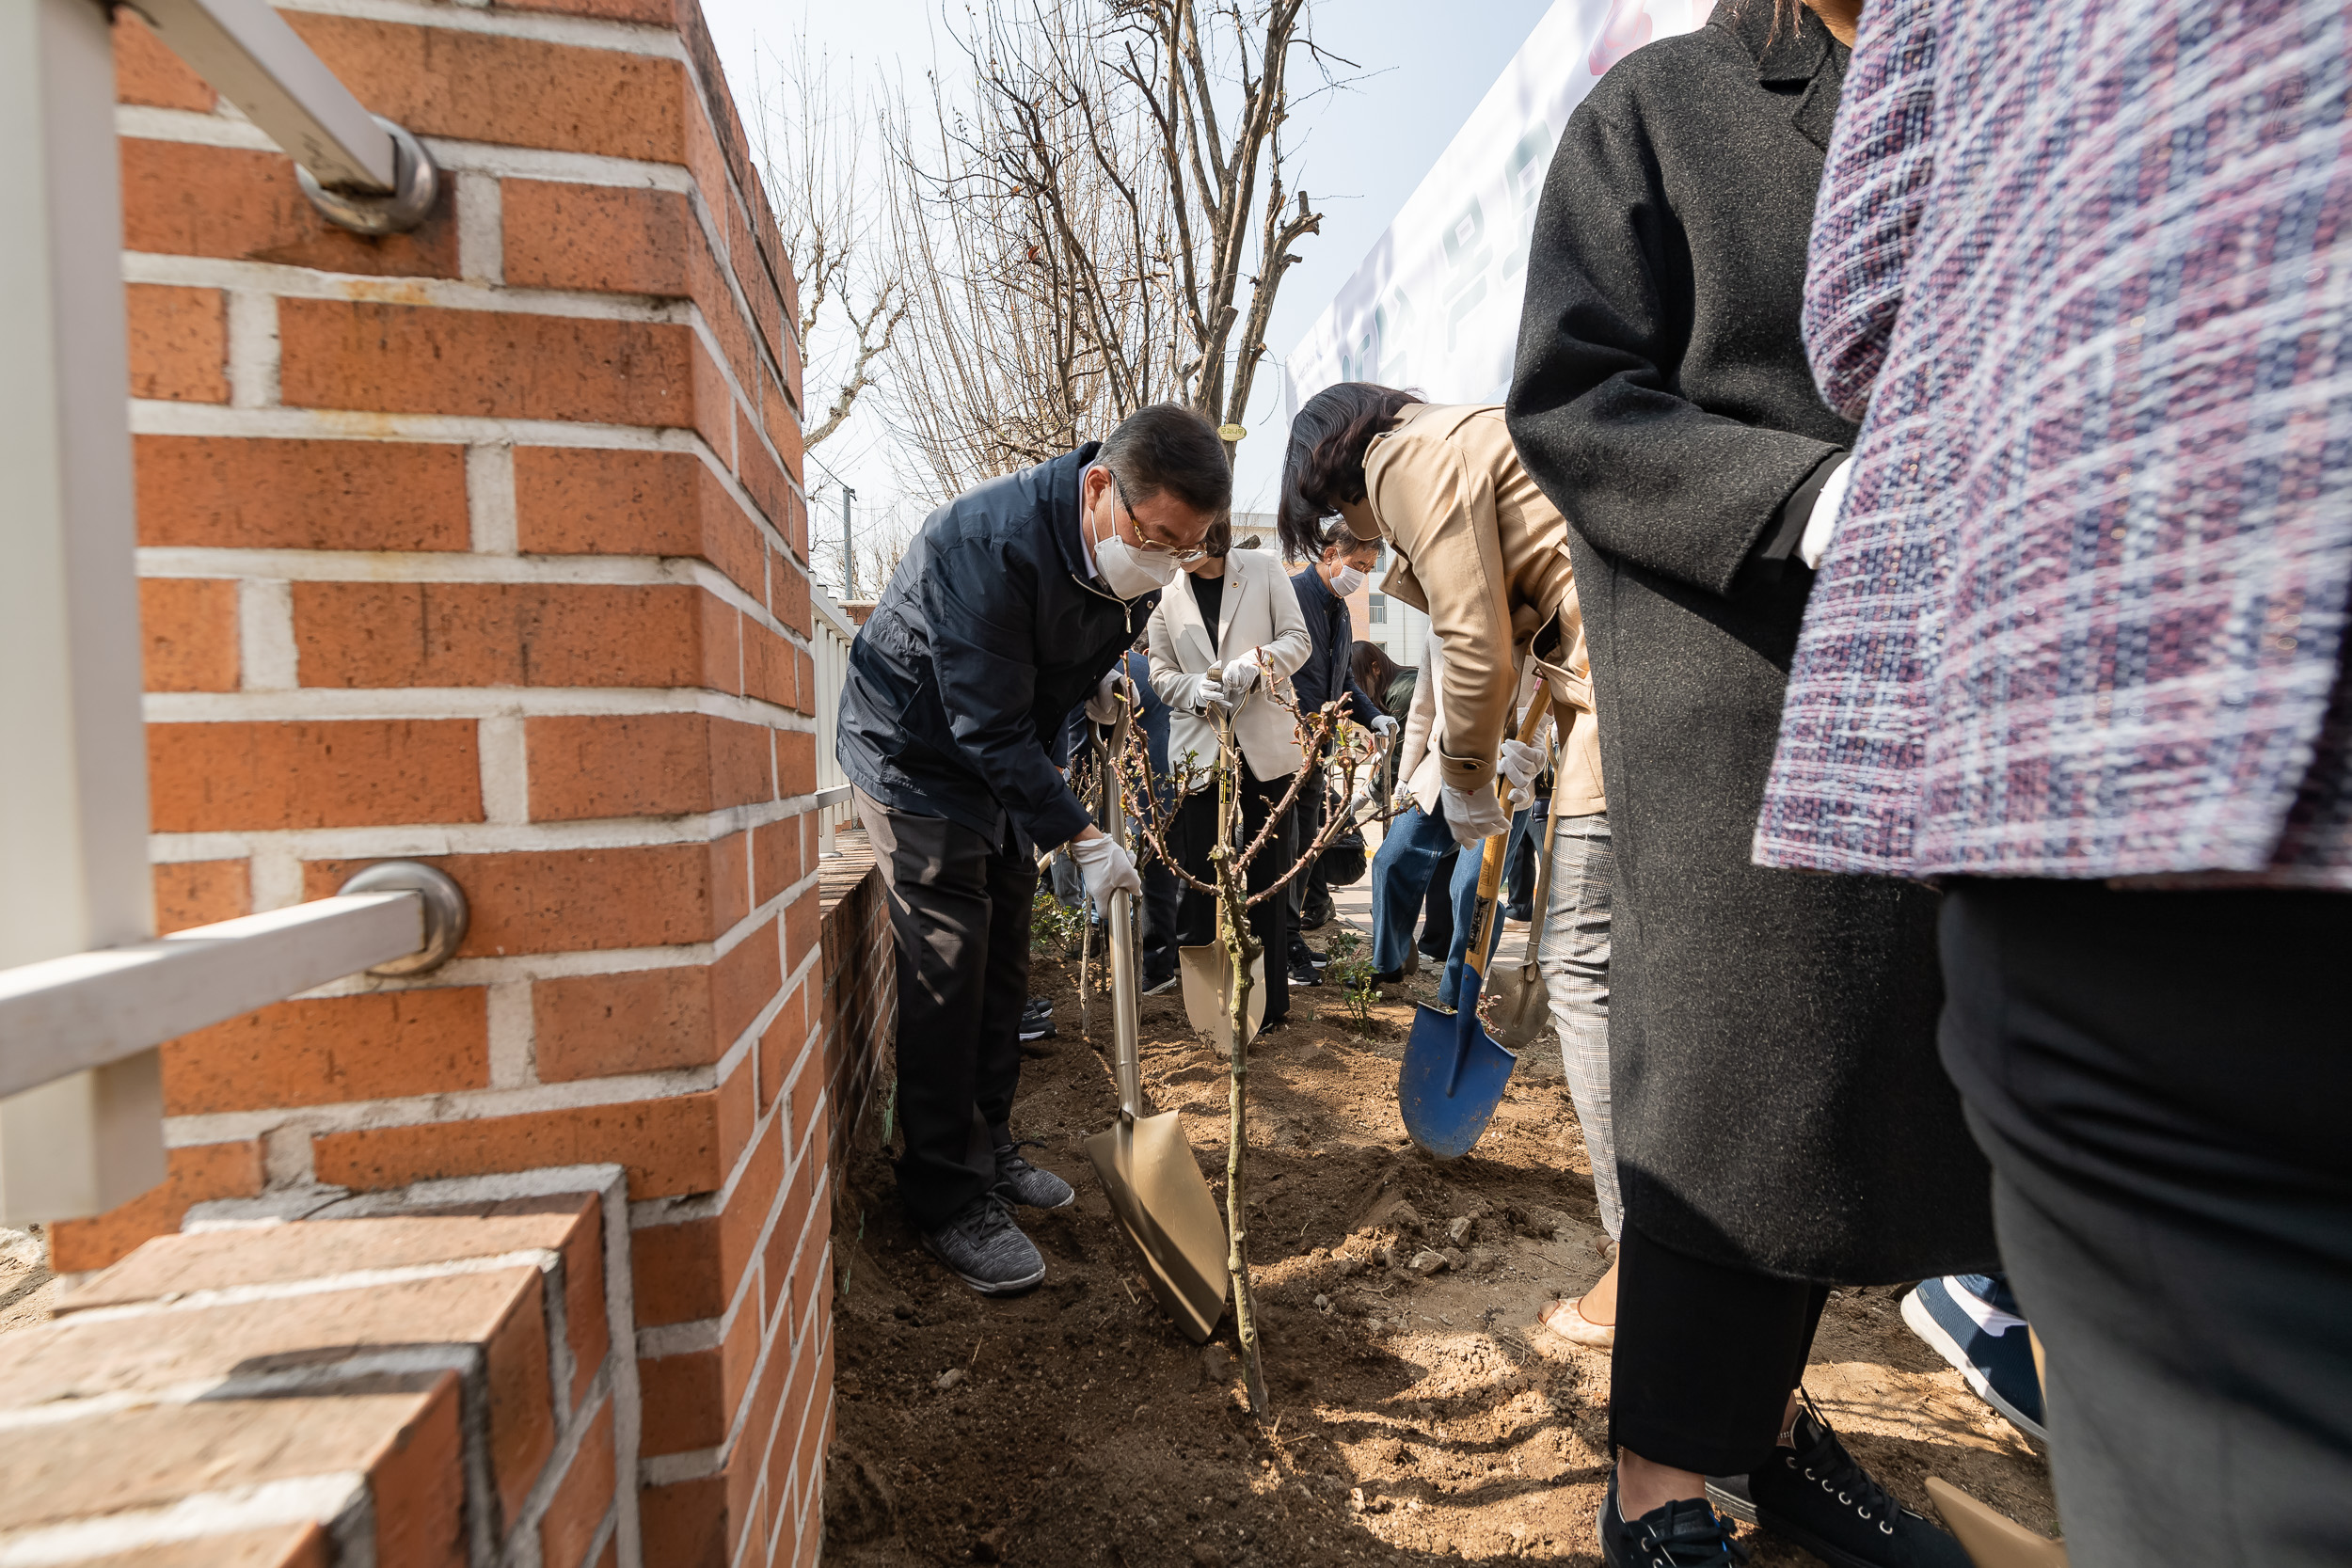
(1362,152)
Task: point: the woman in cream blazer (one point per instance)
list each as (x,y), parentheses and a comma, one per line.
(1484,552)
(1256,639)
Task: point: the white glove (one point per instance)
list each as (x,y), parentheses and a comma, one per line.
(1522,764)
(1107,869)
(1208,692)
(1383,724)
(1240,675)
(1474,818)
(1822,524)
(1102,708)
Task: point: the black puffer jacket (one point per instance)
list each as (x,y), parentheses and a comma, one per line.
(991,631)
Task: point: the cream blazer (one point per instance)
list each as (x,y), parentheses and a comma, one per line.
(1417,759)
(1484,554)
(1260,610)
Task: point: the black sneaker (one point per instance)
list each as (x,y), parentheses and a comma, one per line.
(1387,976)
(1157,981)
(1815,1496)
(1680,1535)
(987,1251)
(1019,1181)
(1305,975)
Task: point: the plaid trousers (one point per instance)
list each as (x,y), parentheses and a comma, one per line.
(1575,961)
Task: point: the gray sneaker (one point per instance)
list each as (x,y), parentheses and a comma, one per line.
(987,1251)
(1019,1181)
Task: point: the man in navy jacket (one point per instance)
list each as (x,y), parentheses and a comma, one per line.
(1012,606)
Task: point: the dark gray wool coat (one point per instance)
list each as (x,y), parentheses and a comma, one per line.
(1771,1035)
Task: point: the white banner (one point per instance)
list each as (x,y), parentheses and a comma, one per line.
(1435,305)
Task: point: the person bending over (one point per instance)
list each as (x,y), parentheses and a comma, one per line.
(1014,604)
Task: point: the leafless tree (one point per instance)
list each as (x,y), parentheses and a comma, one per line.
(824,177)
(1095,216)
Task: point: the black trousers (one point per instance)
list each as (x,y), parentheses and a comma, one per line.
(1191,838)
(1307,814)
(1705,1358)
(1157,948)
(2161,1079)
(960,927)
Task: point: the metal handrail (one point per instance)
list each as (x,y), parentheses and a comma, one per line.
(360,170)
(91,1010)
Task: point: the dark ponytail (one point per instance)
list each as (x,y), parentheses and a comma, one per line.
(1324,462)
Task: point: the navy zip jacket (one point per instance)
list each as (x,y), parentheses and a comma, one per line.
(991,630)
(1328,673)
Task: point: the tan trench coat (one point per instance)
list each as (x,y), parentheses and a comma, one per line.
(1484,554)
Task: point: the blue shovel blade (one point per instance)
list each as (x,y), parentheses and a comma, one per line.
(1445,1109)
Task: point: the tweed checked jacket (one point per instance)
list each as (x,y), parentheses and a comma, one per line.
(2086,265)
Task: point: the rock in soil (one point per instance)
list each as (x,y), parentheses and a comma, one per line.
(1414,1420)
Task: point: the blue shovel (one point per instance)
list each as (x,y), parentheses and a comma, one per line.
(1453,1072)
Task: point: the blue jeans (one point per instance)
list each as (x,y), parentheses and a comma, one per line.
(1409,852)
(1399,876)
(1466,906)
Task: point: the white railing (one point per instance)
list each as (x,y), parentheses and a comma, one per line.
(85,995)
(829,635)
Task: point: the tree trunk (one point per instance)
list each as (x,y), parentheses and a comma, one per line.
(1241,950)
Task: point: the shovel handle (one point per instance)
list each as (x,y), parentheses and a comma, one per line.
(1126,996)
(1490,864)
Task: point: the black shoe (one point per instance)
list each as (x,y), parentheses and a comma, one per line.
(1523,913)
(1387,976)
(1019,1181)
(1680,1535)
(1305,975)
(1815,1496)
(987,1251)
(1157,981)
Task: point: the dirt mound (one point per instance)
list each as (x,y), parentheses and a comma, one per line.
(1417,1416)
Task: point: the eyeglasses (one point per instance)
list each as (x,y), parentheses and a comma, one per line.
(1183,557)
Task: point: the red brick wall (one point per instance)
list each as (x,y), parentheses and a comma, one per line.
(417,1391)
(486,544)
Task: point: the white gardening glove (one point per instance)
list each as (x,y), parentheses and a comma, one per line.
(1522,764)
(1474,818)
(1208,692)
(1107,869)
(1102,708)
(1240,675)
(1383,724)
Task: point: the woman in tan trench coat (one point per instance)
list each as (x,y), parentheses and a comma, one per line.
(1481,550)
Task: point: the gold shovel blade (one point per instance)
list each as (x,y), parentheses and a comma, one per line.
(1164,1204)
(1991,1538)
(1208,976)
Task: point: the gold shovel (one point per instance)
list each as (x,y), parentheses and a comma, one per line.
(1155,1186)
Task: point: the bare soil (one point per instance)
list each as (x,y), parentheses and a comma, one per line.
(1414,1418)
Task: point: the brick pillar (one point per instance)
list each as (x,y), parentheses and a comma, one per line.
(486,544)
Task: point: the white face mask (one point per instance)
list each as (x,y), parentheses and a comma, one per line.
(1346,580)
(1131,573)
